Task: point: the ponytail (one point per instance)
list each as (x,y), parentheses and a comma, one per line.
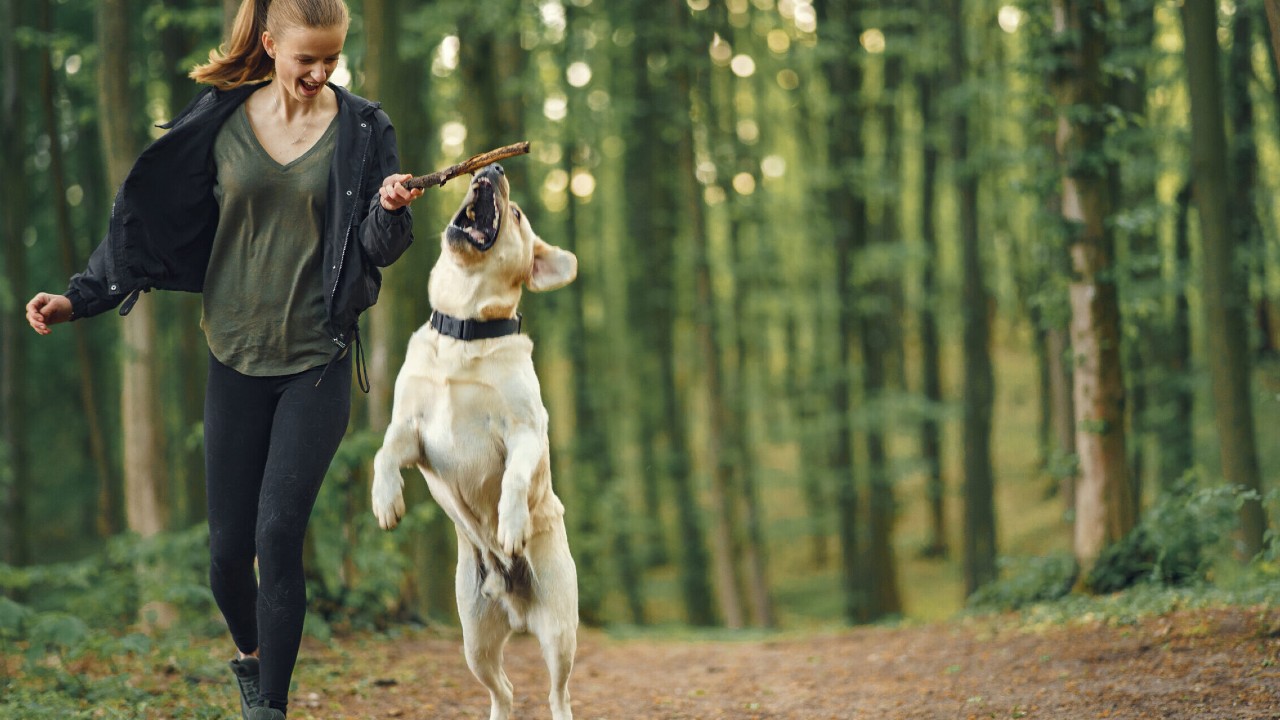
(243,59)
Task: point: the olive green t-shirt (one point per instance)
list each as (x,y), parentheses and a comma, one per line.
(264,310)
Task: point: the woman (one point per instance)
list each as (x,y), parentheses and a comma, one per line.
(278,196)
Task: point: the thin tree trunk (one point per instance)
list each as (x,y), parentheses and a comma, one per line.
(379,83)
(650,287)
(1105,510)
(176,43)
(1177,454)
(979,382)
(1246,227)
(1225,295)
(145,476)
(1136,189)
(930,363)
(723,556)
(847,202)
(15,542)
(109,493)
(880,342)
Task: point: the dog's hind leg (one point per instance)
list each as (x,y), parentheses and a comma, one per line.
(484,632)
(400,448)
(553,617)
(558,648)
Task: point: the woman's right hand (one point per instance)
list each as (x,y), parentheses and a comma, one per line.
(46,309)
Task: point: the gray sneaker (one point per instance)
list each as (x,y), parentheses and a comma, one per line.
(265,713)
(247,678)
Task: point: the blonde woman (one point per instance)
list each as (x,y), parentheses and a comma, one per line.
(277,195)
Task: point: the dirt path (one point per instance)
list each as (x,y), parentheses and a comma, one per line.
(1202,664)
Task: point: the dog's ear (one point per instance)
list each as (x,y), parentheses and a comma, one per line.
(552,267)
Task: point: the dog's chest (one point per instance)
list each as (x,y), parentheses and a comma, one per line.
(462,431)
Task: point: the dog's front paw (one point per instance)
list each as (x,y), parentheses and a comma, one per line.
(513,525)
(388,499)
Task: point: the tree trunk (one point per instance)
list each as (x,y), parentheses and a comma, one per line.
(1246,227)
(109,511)
(1225,294)
(189,359)
(650,292)
(145,476)
(728,582)
(880,343)
(1177,454)
(979,383)
(1105,510)
(930,362)
(1135,186)
(847,202)
(15,546)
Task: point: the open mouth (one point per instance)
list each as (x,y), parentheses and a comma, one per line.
(311,87)
(478,219)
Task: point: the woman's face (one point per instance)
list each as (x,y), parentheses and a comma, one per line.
(305,58)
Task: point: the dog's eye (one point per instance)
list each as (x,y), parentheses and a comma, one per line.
(516,212)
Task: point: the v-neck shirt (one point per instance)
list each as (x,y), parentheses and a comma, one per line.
(264,308)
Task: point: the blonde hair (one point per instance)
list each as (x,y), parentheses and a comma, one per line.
(243,59)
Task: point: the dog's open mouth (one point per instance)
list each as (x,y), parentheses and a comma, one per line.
(478,220)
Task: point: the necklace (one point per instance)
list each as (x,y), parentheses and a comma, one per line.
(300,137)
(306,130)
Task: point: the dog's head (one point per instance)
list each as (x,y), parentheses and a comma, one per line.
(489,251)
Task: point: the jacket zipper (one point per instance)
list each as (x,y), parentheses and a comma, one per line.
(351,218)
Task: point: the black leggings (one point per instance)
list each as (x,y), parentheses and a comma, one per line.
(268,444)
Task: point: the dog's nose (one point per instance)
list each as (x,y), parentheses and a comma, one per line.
(499,169)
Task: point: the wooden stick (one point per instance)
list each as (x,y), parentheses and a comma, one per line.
(469,165)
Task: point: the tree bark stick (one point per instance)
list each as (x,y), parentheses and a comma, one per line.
(470,165)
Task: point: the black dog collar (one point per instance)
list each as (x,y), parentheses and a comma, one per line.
(474,329)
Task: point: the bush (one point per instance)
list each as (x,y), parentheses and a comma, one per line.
(1175,541)
(1026,581)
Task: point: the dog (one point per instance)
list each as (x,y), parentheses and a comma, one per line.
(468,413)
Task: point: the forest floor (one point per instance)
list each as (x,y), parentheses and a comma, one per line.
(1203,664)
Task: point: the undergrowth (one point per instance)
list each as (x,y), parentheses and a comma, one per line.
(1179,556)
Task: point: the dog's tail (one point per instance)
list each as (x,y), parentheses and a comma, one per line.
(510,583)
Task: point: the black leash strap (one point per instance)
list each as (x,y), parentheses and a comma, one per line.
(474,329)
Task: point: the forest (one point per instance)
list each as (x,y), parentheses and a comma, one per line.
(884,309)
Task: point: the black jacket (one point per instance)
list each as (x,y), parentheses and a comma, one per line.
(164,215)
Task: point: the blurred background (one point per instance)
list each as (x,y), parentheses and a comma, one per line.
(883,307)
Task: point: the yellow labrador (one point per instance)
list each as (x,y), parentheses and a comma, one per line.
(468,413)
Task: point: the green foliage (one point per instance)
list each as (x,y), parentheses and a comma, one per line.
(358,569)
(1027,581)
(61,619)
(1174,542)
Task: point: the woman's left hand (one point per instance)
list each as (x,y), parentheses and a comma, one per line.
(394,195)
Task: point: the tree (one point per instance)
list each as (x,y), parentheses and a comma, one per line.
(665,427)
(840,22)
(1225,294)
(15,548)
(1105,509)
(109,511)
(979,382)
(145,475)
(927,81)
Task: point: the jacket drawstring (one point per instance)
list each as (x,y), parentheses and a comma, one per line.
(362,372)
